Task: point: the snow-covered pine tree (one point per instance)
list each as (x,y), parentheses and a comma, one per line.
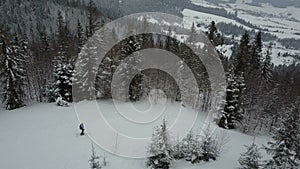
(251,159)
(191,148)
(177,152)
(241,86)
(63,70)
(228,114)
(160,149)
(50,92)
(284,146)
(63,74)
(13,72)
(94,160)
(209,146)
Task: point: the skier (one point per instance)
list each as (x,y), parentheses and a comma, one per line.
(81,127)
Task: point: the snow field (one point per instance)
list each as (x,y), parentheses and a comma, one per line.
(46,136)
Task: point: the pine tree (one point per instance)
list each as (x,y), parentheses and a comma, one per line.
(241,86)
(160,149)
(191,148)
(215,37)
(177,151)
(94,160)
(13,72)
(209,147)
(257,46)
(193,34)
(251,159)
(242,68)
(243,59)
(285,145)
(267,66)
(63,36)
(45,46)
(228,114)
(63,74)
(50,92)
(63,70)
(80,36)
(93,16)
(212,31)
(43,65)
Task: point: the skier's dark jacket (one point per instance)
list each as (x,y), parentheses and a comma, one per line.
(81,127)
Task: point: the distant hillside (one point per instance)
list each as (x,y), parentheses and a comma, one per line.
(29,17)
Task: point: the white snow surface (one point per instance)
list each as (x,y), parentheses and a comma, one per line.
(46,136)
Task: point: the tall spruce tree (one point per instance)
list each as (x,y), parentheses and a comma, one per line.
(13,71)
(63,70)
(243,59)
(284,148)
(229,117)
(233,110)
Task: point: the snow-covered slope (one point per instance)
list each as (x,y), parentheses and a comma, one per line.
(46,136)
